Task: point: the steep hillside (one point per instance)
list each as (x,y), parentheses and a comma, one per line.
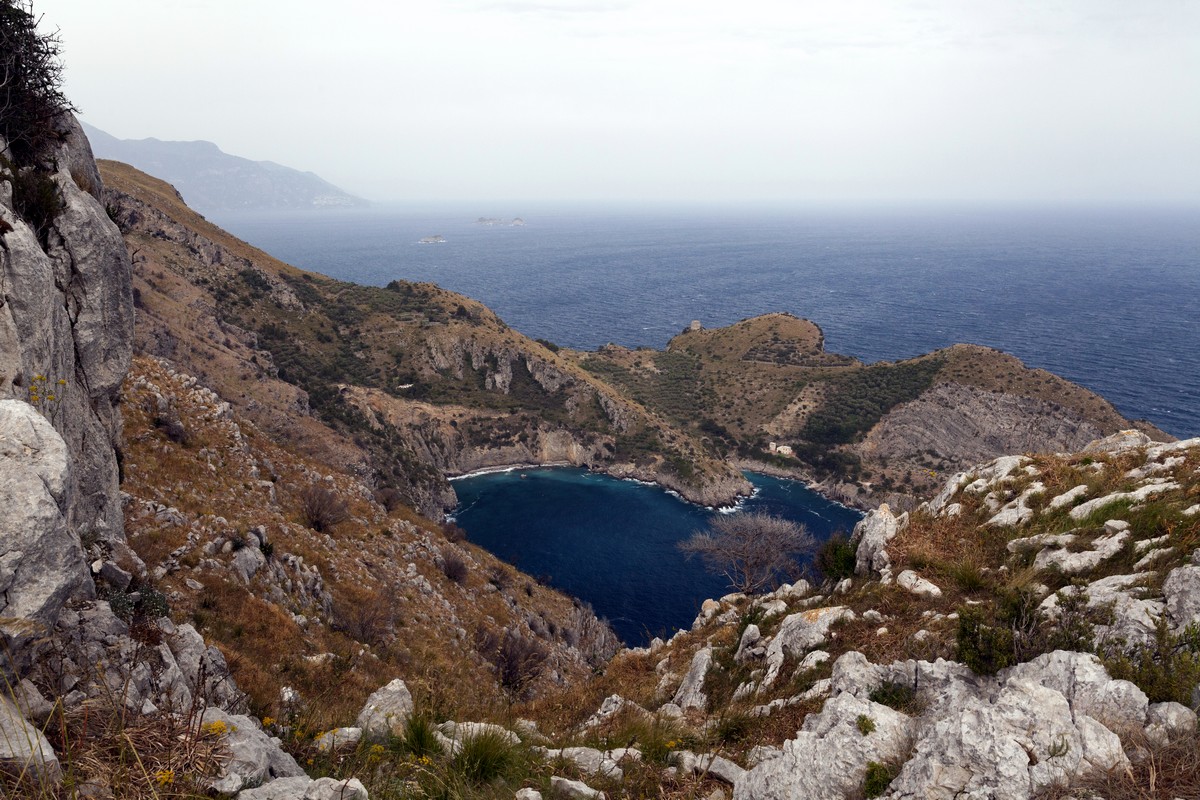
(416,381)
(300,576)
(866,432)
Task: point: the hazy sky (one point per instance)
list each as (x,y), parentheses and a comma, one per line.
(795,101)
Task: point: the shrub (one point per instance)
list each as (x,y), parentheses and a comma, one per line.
(31,93)
(485,758)
(835,558)
(879,778)
(899,696)
(1167,669)
(322,508)
(454,567)
(518,661)
(866,725)
(419,739)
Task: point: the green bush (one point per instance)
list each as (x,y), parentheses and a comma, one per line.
(866,725)
(899,696)
(879,778)
(835,558)
(486,757)
(419,739)
(1167,669)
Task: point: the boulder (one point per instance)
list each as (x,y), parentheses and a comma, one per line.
(1087,687)
(828,758)
(872,534)
(1182,592)
(386,711)
(1166,722)
(338,738)
(914,583)
(23,748)
(574,790)
(334,789)
(800,633)
(691,691)
(1023,741)
(254,757)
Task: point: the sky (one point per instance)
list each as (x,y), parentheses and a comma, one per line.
(664,101)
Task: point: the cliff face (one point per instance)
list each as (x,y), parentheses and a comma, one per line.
(66,338)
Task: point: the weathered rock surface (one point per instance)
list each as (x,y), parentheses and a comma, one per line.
(800,633)
(23,748)
(691,691)
(872,534)
(1182,592)
(828,758)
(42,563)
(386,711)
(255,758)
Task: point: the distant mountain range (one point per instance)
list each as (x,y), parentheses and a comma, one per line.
(212,180)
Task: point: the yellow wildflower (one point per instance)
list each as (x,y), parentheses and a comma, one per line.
(425,761)
(164,777)
(217,728)
(268,721)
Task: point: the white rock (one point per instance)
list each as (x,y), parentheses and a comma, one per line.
(912,582)
(828,758)
(23,748)
(1182,592)
(591,761)
(1068,497)
(1166,722)
(386,711)
(338,737)
(872,534)
(800,633)
(707,763)
(1103,548)
(334,789)
(527,794)
(574,790)
(691,691)
(1138,495)
(1018,511)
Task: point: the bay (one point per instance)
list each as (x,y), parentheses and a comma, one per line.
(1106,297)
(612,543)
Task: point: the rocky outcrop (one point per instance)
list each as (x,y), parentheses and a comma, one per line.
(66,331)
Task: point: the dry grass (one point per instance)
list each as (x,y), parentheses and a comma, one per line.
(1156,772)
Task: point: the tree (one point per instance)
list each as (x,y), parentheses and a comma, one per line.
(751,550)
(31,96)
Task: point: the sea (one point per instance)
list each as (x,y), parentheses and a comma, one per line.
(613,542)
(1106,297)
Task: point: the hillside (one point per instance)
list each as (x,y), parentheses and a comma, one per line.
(866,432)
(417,382)
(213,180)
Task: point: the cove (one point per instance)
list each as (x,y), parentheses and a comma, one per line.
(611,542)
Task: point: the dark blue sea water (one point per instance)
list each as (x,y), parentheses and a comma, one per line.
(1107,298)
(612,542)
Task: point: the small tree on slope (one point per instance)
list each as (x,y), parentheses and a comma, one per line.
(751,550)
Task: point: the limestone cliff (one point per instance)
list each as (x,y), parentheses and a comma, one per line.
(66,338)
